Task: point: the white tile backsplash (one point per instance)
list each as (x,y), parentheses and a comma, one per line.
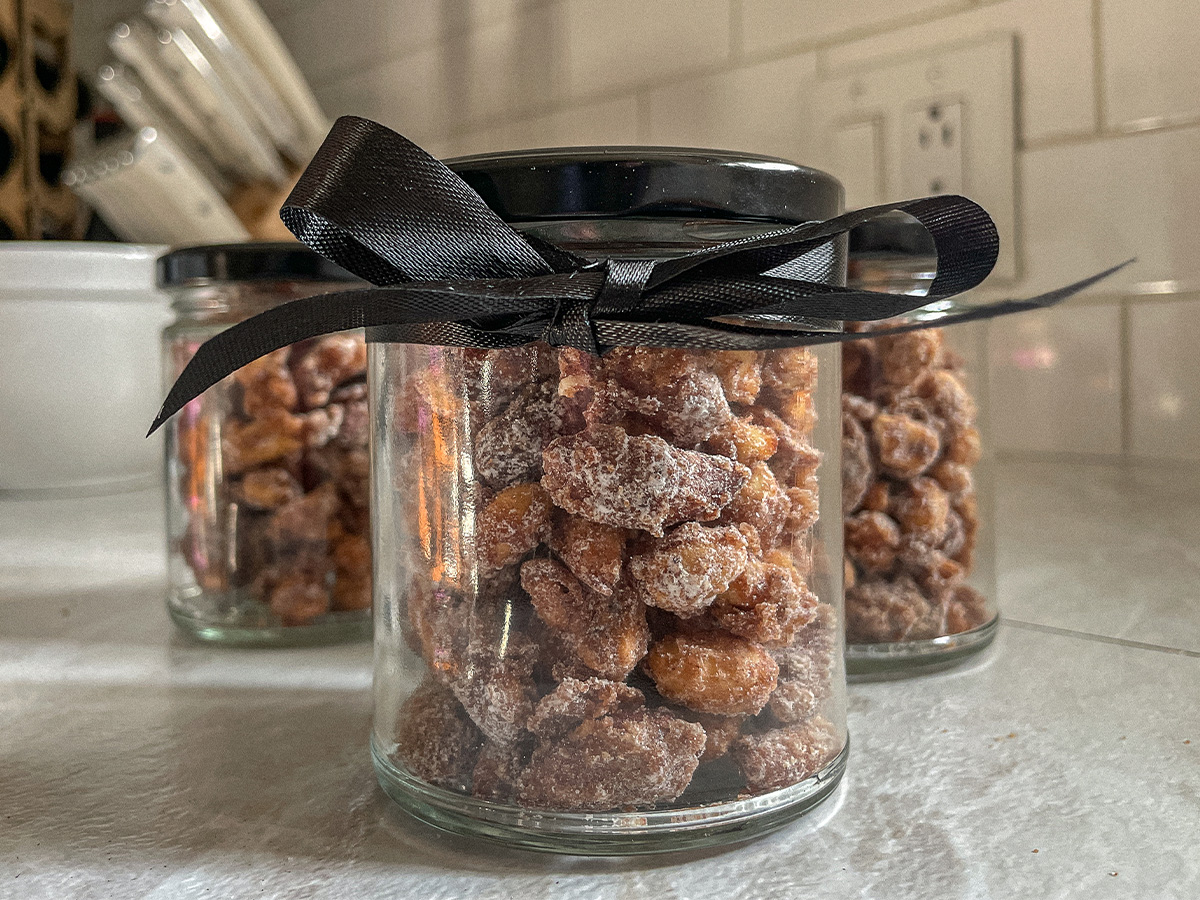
(1055,61)
(758,109)
(1088,206)
(616,44)
(1164,379)
(1055,381)
(332,40)
(1151,59)
(768,25)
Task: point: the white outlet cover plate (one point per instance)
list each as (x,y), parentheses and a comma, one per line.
(978,76)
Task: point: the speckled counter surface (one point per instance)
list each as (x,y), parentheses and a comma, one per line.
(1063,763)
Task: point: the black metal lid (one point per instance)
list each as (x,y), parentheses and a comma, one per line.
(608,182)
(255,261)
(891,235)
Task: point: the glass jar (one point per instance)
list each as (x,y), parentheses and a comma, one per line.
(608,589)
(920,576)
(268,519)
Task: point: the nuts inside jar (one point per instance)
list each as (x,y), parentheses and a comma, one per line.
(644,520)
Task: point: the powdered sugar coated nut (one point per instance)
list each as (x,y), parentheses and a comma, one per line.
(608,476)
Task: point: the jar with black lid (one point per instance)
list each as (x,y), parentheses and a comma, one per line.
(268,512)
(608,589)
(920,576)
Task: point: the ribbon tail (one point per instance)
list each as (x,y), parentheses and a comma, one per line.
(980,313)
(247,341)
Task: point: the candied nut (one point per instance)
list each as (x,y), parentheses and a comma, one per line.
(273,436)
(806,668)
(202,545)
(872,540)
(963,446)
(266,385)
(436,616)
(620,761)
(508,449)
(858,366)
(785,756)
(434,737)
(798,411)
(760,503)
(266,488)
(608,634)
(299,596)
(490,667)
(966,609)
(742,440)
(712,672)
(491,377)
(740,371)
(347,470)
(352,562)
(498,690)
(947,397)
(326,363)
(305,520)
(860,407)
(352,556)
(515,522)
(803,511)
(906,448)
(684,571)
(608,403)
(692,409)
(956,535)
(922,509)
(576,701)
(498,769)
(425,403)
(903,357)
(857,473)
(847,574)
(322,425)
(606,475)
(592,551)
(790,369)
(351,594)
(795,458)
(351,392)
(887,610)
(877,497)
(719,733)
(355,423)
(577,371)
(954,478)
(650,370)
(767,603)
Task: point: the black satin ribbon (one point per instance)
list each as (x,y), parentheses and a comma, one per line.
(449,271)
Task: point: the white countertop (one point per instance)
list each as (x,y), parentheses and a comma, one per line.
(1063,763)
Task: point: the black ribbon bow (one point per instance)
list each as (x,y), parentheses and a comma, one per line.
(449,271)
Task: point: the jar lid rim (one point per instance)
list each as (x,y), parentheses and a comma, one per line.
(252,261)
(672,182)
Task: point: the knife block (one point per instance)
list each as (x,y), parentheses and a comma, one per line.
(14,198)
(37,114)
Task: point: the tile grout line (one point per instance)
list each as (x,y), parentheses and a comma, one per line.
(1125,368)
(1099,105)
(1098,638)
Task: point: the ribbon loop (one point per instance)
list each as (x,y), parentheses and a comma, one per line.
(450,271)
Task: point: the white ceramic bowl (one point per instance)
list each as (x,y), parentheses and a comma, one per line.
(80,370)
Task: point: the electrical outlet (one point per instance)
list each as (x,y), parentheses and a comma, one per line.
(933,148)
(942,122)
